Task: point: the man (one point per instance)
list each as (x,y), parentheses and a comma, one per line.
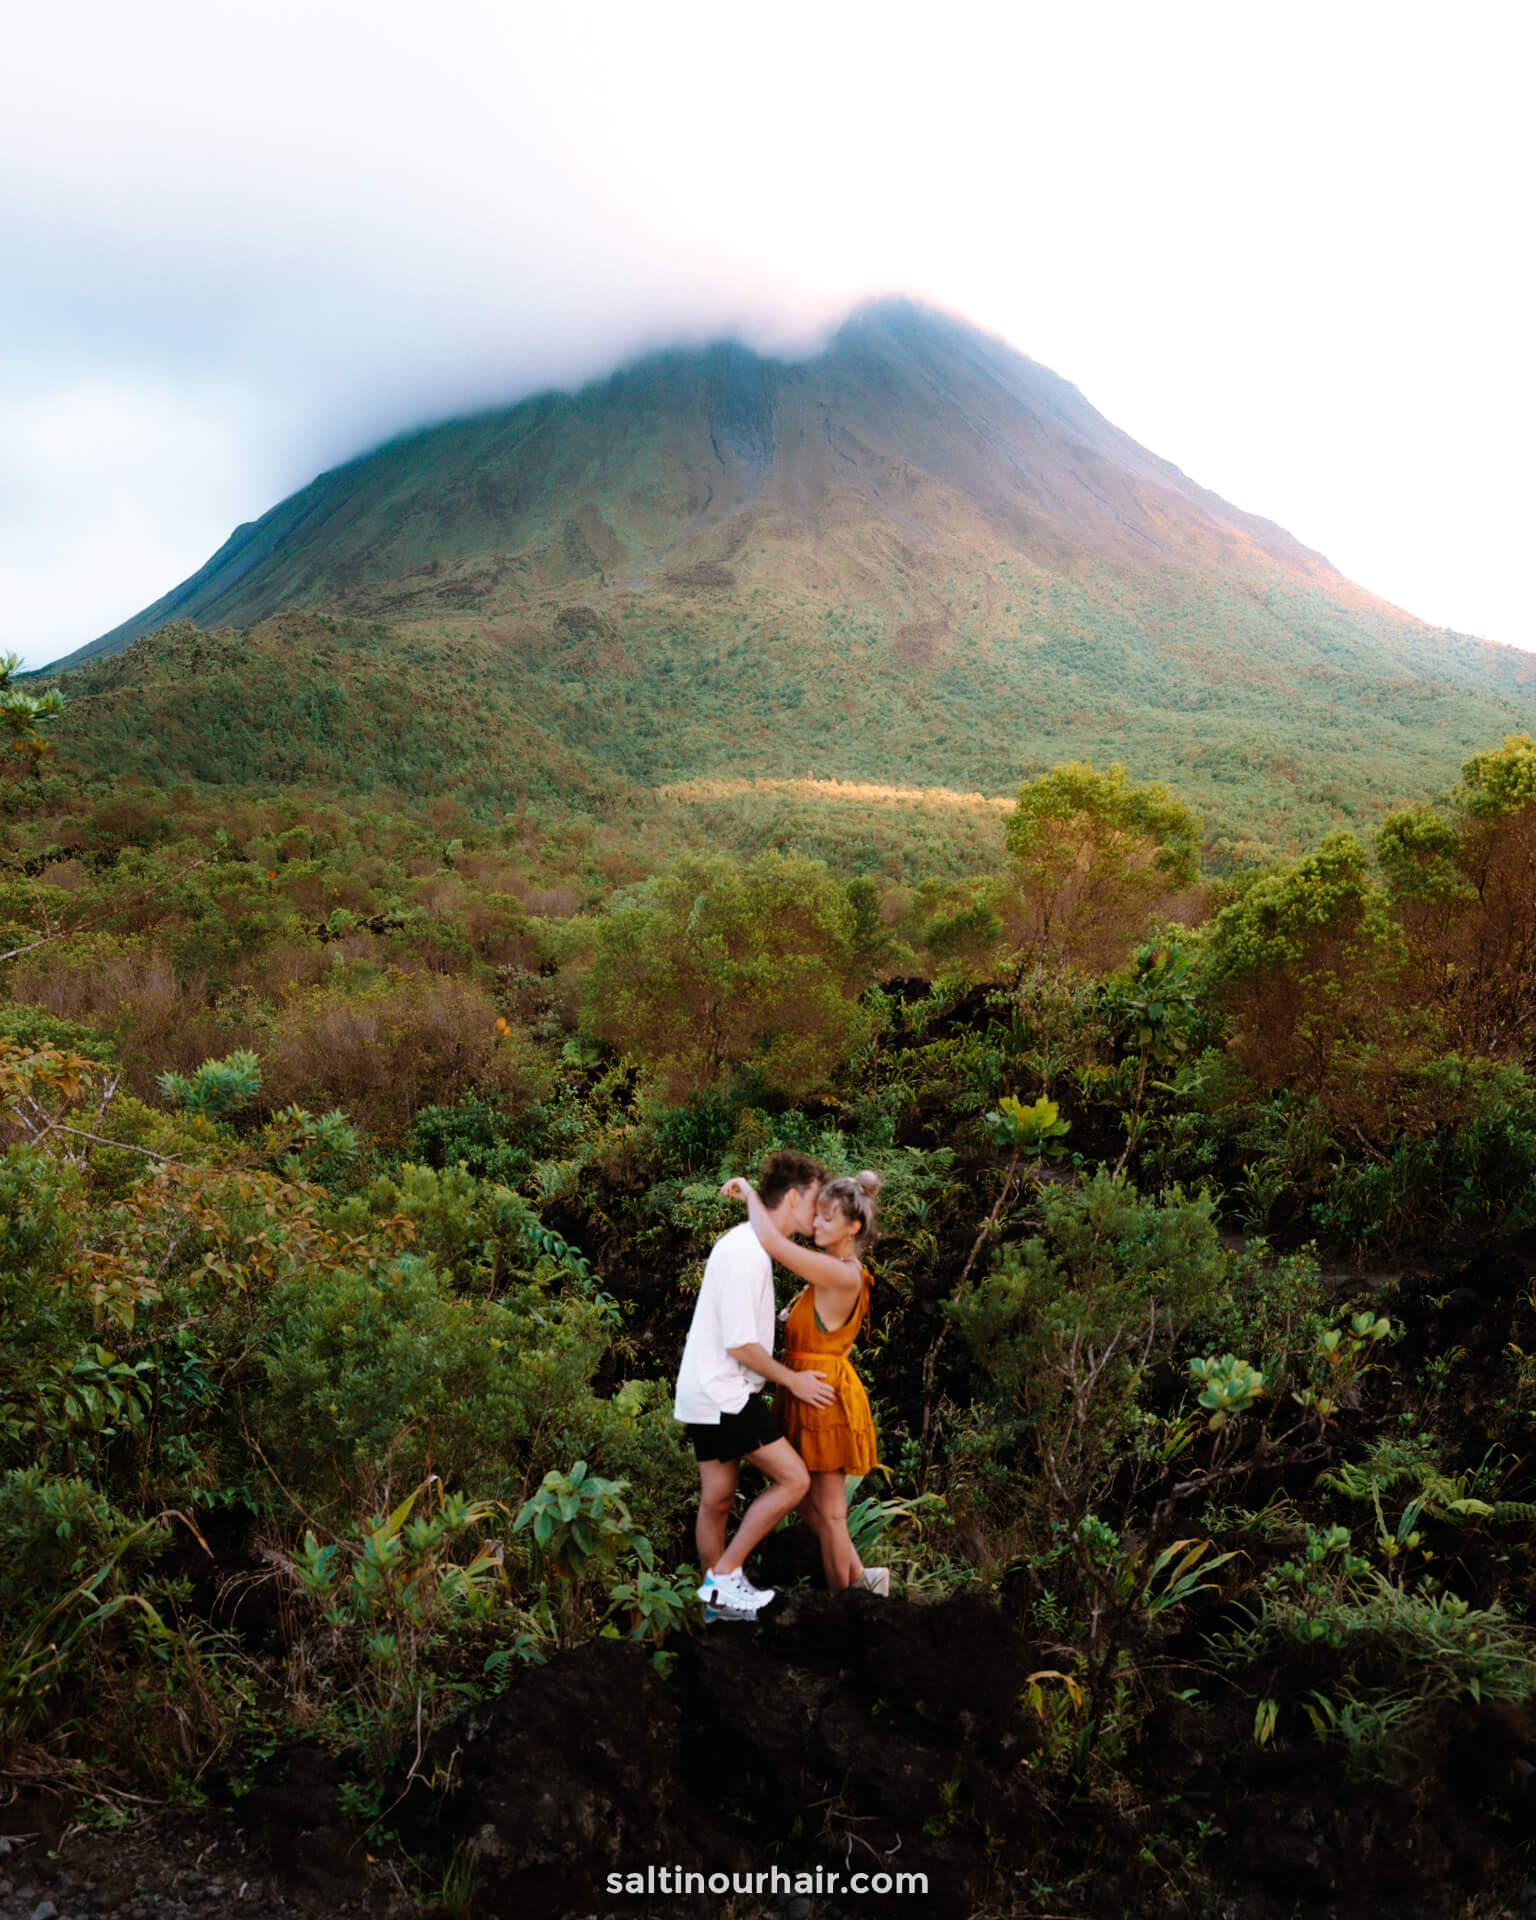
(726,1360)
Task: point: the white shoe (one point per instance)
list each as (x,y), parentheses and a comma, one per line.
(876,1580)
(713,1614)
(733,1592)
(760,1595)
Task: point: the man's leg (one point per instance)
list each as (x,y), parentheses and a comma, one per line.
(788,1483)
(717,1489)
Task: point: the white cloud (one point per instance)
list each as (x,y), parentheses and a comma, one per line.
(1286,250)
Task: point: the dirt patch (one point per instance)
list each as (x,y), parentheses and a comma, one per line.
(1309,1834)
(569,1775)
(173,1865)
(919,641)
(840,1734)
(702,577)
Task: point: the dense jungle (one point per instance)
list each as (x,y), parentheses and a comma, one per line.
(361,1153)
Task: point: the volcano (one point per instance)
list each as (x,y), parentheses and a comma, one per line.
(671,569)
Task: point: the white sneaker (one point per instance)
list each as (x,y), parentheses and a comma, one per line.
(876,1580)
(733,1592)
(755,1597)
(760,1595)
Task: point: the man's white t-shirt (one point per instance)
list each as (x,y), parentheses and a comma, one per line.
(734,1309)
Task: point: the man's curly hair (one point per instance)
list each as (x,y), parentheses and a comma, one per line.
(785,1170)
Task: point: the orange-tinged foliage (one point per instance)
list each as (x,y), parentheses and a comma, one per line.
(1297,963)
(1095,861)
(713,967)
(414,1040)
(1463,885)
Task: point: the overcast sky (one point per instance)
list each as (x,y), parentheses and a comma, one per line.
(1285,246)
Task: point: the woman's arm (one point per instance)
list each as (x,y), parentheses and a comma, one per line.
(809,1262)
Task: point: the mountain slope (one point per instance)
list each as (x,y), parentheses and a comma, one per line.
(911,426)
(918,557)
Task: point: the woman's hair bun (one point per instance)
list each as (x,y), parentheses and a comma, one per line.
(868,1181)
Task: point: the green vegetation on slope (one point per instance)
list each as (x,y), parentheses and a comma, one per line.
(600,712)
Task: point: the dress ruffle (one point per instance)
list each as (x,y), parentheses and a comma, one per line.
(839,1437)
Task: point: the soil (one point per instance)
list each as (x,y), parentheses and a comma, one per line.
(175,1864)
(840,1733)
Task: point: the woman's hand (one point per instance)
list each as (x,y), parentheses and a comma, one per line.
(813,1388)
(738,1189)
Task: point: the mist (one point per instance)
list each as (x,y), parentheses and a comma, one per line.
(246,243)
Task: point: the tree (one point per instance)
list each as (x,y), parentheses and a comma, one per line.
(1298,960)
(711,967)
(21,714)
(1095,860)
(1463,886)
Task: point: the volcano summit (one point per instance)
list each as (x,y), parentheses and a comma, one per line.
(670,571)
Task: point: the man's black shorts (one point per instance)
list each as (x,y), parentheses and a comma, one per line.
(735,1434)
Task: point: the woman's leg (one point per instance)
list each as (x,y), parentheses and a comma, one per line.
(809,1512)
(840,1562)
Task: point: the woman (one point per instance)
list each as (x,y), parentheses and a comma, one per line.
(820,1327)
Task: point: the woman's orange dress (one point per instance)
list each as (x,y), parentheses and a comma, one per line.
(841,1435)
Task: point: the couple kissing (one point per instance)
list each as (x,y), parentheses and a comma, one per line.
(818,1428)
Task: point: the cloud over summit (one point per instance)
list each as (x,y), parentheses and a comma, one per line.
(264,237)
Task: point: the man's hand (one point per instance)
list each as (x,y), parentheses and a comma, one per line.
(811,1387)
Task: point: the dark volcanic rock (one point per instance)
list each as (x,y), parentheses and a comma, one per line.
(843,1731)
(295,1804)
(569,1774)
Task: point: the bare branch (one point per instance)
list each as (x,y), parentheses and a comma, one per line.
(106,913)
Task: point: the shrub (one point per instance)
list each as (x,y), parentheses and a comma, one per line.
(714,967)
(373,1382)
(1064,1326)
(217,1089)
(399,1607)
(38,1225)
(30,1026)
(1463,891)
(475,1231)
(45,1322)
(489,1138)
(1095,861)
(53,1533)
(1348,1656)
(125,986)
(1298,962)
(404,1042)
